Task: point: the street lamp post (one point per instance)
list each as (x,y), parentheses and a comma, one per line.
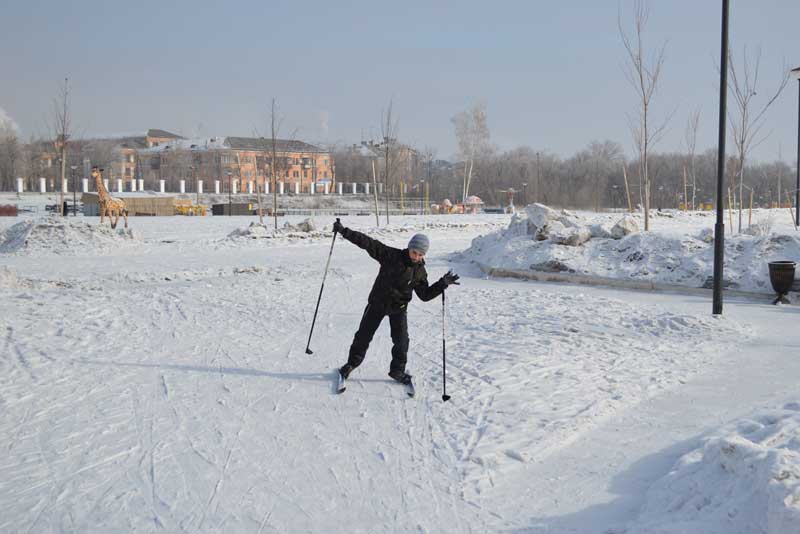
(796,75)
(525,193)
(422,196)
(719,226)
(230,202)
(74,193)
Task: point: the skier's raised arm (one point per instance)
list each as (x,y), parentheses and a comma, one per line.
(374,248)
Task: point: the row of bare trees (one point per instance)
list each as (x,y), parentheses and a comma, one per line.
(599,177)
(746,118)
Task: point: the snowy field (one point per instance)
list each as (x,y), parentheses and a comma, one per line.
(156,380)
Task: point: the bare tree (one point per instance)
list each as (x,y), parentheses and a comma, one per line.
(275,122)
(690,134)
(389,128)
(259,161)
(10,154)
(745,121)
(428,157)
(62,129)
(472,133)
(643,75)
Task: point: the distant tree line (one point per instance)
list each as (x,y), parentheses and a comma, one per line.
(592,178)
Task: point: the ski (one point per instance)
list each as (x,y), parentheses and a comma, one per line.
(341,385)
(410,389)
(341,382)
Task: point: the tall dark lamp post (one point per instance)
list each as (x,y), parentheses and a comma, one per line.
(74,192)
(796,75)
(525,193)
(719,227)
(230,202)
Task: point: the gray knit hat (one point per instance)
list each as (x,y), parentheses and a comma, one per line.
(420,243)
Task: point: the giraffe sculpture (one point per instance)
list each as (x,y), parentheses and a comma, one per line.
(114,207)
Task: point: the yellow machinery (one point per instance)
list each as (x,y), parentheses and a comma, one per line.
(185,207)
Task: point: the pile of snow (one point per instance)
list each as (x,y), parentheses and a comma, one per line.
(9,279)
(743,478)
(308,230)
(57,235)
(304,230)
(543,240)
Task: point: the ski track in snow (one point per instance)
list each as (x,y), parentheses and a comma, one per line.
(181,399)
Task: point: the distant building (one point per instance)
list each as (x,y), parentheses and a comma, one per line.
(407,170)
(161,155)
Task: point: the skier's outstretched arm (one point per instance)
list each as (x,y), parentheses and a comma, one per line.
(427,292)
(374,248)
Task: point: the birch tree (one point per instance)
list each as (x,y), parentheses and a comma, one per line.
(389,148)
(690,134)
(747,119)
(62,129)
(472,134)
(643,74)
(275,122)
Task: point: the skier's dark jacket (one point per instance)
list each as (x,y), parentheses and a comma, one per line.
(397,277)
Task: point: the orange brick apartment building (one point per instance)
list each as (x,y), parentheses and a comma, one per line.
(161,155)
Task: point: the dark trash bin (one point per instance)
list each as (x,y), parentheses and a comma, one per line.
(781,276)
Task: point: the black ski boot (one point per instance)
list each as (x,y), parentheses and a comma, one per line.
(400,376)
(345,370)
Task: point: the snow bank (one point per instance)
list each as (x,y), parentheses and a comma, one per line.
(743,478)
(308,230)
(543,240)
(303,230)
(9,279)
(56,235)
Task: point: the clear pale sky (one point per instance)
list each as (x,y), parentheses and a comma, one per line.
(550,73)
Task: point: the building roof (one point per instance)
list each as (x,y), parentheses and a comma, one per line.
(262,143)
(133,142)
(153,132)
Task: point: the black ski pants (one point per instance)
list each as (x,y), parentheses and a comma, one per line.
(370,322)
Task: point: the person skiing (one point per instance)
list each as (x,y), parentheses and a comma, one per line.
(401,272)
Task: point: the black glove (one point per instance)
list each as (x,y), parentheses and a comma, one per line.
(338,227)
(449,279)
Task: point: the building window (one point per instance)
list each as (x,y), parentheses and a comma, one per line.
(296,174)
(326,162)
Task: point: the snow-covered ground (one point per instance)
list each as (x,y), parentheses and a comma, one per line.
(156,379)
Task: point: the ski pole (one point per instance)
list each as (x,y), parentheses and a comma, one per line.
(445,396)
(319,298)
